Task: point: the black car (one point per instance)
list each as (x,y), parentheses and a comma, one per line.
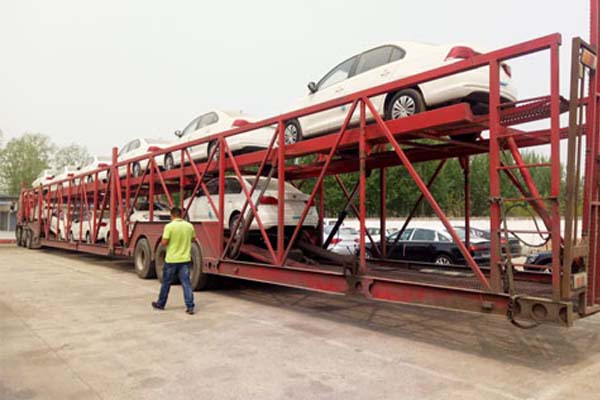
(543,258)
(431,246)
(514,244)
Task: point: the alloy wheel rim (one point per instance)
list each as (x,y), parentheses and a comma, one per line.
(404,106)
(291,134)
(442,261)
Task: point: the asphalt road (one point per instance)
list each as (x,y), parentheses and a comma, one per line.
(81,327)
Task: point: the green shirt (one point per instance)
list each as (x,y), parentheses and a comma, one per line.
(180,235)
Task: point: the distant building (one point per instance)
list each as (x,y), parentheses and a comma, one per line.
(8,212)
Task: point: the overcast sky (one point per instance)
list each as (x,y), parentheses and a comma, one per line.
(101,73)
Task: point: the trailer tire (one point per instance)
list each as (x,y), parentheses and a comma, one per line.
(200,280)
(28,239)
(142,259)
(159,262)
(19,236)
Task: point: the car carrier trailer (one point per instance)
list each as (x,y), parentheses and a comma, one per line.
(295,257)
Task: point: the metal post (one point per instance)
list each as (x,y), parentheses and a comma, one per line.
(383,211)
(280,192)
(113,201)
(556,169)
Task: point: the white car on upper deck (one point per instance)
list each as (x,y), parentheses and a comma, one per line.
(136,148)
(388,63)
(215,122)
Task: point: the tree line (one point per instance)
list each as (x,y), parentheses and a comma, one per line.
(23,158)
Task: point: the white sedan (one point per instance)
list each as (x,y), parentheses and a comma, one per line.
(295,202)
(92,164)
(137,148)
(345,241)
(388,63)
(65,172)
(215,122)
(43,178)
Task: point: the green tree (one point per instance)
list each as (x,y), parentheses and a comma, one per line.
(73,154)
(23,159)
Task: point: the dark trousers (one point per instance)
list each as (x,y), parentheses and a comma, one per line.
(182,270)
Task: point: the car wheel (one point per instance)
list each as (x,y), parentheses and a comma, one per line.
(443,259)
(169,163)
(88,238)
(71,237)
(211,146)
(403,104)
(292,132)
(142,259)
(90,179)
(136,170)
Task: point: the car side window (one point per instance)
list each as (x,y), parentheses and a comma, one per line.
(232,186)
(338,74)
(208,119)
(424,234)
(406,234)
(125,149)
(134,145)
(397,54)
(213,187)
(443,238)
(373,59)
(191,127)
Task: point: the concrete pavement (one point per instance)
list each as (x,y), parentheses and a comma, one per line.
(81,327)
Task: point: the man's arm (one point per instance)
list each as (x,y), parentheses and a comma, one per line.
(164,242)
(166,236)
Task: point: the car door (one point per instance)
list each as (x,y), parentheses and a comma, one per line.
(201,210)
(421,246)
(372,69)
(330,87)
(396,251)
(204,128)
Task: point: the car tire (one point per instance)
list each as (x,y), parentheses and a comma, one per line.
(89,179)
(209,150)
(88,238)
(142,259)
(443,259)
(292,132)
(235,216)
(169,162)
(136,170)
(70,237)
(405,103)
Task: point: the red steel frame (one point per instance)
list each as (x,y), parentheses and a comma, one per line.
(366,136)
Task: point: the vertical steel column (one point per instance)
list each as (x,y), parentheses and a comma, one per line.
(467,189)
(362,192)
(182,181)
(114,177)
(383,211)
(280,192)
(221,167)
(151,188)
(555,179)
(495,191)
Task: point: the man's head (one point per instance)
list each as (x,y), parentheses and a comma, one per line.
(175,212)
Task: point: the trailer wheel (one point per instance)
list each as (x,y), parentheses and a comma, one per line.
(159,262)
(142,259)
(28,239)
(200,280)
(19,236)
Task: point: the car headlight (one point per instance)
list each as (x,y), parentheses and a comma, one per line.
(529,259)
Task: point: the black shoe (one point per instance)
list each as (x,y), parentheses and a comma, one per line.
(190,311)
(156,306)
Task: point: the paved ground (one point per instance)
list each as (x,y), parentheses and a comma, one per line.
(81,327)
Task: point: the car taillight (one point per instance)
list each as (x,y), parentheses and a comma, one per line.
(154,148)
(507,69)
(239,123)
(477,248)
(461,52)
(102,165)
(268,200)
(102,223)
(335,241)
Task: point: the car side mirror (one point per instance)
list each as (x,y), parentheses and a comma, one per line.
(312,87)
(178,133)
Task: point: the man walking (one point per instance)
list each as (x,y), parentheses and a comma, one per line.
(177,238)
